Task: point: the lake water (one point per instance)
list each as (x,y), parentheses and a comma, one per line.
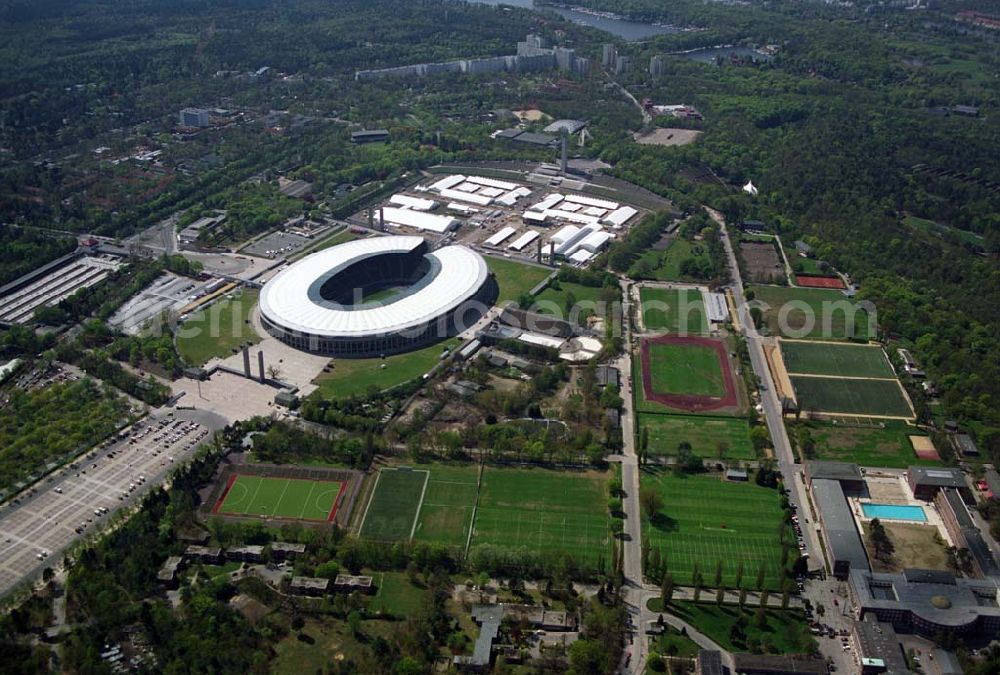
(632,31)
(710,54)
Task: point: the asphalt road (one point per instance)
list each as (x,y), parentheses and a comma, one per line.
(783,452)
(35,531)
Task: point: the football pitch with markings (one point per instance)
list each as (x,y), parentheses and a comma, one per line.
(838,360)
(289,498)
(705,520)
(535,510)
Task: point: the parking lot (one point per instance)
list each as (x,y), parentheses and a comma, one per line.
(276,245)
(37,527)
(169,292)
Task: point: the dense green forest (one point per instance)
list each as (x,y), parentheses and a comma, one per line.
(49,424)
(23,250)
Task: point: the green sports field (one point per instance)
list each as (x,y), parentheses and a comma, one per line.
(675,310)
(446,513)
(825,308)
(544,511)
(515,278)
(887,445)
(394,503)
(705,434)
(354,377)
(705,520)
(851,397)
(685,369)
(292,498)
(841,360)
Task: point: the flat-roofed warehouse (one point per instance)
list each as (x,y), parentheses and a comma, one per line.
(848,475)
(925,482)
(840,534)
(318,304)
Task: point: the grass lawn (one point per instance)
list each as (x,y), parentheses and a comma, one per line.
(515,278)
(396,595)
(446,514)
(705,434)
(888,446)
(916,547)
(553,302)
(851,397)
(666,265)
(786,631)
(705,520)
(686,369)
(394,504)
(826,316)
(802,265)
(843,360)
(544,511)
(331,641)
(352,377)
(281,497)
(675,310)
(217,330)
(673,643)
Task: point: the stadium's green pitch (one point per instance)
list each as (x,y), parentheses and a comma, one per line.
(851,397)
(685,369)
(677,310)
(284,498)
(707,435)
(840,360)
(394,504)
(705,520)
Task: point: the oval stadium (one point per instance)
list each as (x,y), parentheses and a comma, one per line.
(377,296)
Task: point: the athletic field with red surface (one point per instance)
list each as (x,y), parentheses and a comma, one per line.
(691,374)
(280,498)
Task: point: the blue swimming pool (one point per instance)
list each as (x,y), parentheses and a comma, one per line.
(895,512)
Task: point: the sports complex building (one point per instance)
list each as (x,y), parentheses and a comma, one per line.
(376,296)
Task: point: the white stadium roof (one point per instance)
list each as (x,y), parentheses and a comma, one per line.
(286,301)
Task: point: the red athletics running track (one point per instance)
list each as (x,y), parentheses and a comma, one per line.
(690,402)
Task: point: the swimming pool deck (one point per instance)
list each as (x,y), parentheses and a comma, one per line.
(894,491)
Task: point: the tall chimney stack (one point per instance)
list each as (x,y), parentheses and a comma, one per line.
(538,253)
(260,364)
(565,152)
(381,219)
(246,362)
